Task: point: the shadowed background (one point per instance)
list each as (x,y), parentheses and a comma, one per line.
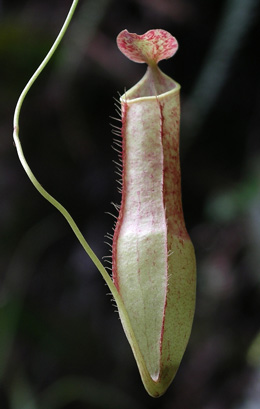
(61,343)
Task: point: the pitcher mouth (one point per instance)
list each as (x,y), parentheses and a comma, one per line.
(154,84)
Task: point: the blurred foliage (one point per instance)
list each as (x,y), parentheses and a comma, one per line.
(61,345)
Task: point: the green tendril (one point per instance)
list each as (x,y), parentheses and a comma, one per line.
(27,168)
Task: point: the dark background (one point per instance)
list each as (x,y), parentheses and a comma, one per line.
(61,343)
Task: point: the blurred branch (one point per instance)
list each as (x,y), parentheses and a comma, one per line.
(84,28)
(234,25)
